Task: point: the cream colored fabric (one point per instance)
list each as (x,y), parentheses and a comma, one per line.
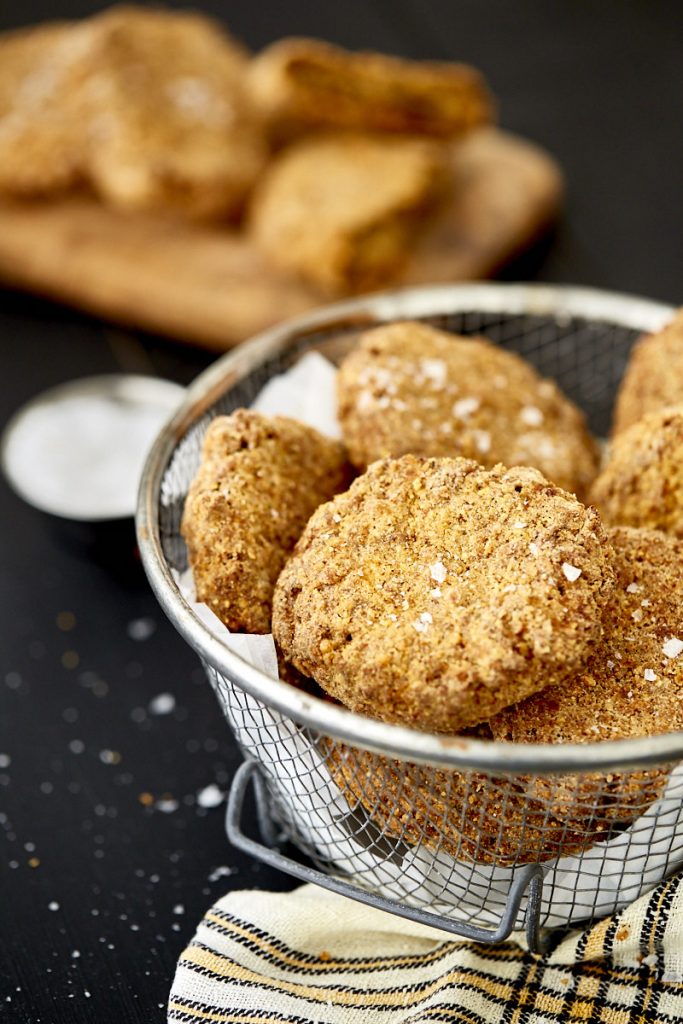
(311,956)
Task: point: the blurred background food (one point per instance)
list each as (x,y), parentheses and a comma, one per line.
(328,172)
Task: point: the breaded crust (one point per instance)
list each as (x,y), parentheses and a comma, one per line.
(147,106)
(407,387)
(642,482)
(343,211)
(468,816)
(630,685)
(171,126)
(654,375)
(259,480)
(434,591)
(302,84)
(42,71)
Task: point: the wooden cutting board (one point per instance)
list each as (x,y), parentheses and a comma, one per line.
(209,286)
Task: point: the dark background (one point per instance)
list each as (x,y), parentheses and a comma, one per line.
(99,817)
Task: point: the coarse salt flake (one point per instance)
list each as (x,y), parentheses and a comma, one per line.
(336,518)
(571,572)
(438,572)
(365,401)
(519,525)
(435,371)
(633,588)
(482,440)
(673,647)
(464,407)
(436,592)
(534,548)
(531,416)
(650,675)
(422,624)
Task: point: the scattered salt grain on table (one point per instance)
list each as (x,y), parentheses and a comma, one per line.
(210,796)
(162,704)
(141,629)
(167,805)
(221,872)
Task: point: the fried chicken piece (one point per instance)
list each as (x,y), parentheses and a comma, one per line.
(467,815)
(171,126)
(434,591)
(301,84)
(42,78)
(259,480)
(408,387)
(654,375)
(629,686)
(642,481)
(343,211)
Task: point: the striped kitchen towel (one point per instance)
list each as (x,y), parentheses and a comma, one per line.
(312,956)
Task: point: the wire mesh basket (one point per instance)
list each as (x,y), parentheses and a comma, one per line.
(463,833)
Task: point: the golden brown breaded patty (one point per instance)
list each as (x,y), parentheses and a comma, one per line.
(466,815)
(642,481)
(42,71)
(407,387)
(630,685)
(654,375)
(301,84)
(343,211)
(434,591)
(171,126)
(259,480)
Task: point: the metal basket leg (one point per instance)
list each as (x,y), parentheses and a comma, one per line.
(529,881)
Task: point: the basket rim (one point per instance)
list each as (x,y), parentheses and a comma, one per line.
(395,740)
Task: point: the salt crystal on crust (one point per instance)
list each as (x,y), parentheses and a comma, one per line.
(438,572)
(673,647)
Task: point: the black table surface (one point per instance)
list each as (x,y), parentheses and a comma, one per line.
(108,859)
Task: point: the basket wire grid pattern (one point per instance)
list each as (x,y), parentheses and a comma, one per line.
(452,845)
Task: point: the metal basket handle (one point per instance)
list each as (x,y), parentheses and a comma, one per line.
(529,881)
